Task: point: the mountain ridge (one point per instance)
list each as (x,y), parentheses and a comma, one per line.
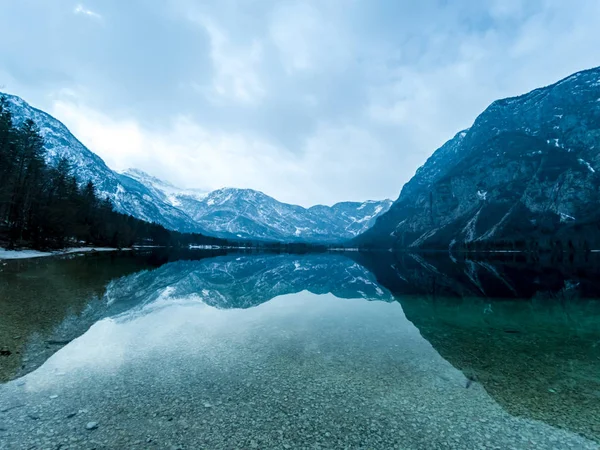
(248,213)
(127,195)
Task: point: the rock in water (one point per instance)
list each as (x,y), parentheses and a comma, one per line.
(91,425)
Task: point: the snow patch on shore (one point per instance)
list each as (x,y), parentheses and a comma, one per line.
(25,254)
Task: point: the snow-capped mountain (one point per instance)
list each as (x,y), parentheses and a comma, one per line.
(525,174)
(229,212)
(127,195)
(246,213)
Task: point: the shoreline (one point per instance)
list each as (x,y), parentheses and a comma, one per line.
(6,255)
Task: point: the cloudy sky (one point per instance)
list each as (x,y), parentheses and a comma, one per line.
(309,101)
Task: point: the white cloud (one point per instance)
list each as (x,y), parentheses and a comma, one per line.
(507,9)
(310,101)
(458,75)
(306,38)
(235,67)
(80,9)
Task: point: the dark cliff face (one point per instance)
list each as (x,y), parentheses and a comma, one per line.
(526,170)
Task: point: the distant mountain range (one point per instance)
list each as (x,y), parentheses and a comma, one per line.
(525,173)
(228,212)
(246,213)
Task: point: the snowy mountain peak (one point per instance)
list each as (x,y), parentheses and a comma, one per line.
(163,189)
(144,176)
(247,213)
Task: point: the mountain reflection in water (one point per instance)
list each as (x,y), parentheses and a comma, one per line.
(528,332)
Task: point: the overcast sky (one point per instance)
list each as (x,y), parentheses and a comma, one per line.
(308,101)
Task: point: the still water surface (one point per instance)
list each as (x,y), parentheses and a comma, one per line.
(197,350)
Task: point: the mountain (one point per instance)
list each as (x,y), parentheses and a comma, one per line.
(524,173)
(229,212)
(246,213)
(127,195)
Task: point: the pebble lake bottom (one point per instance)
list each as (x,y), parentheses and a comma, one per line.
(305,369)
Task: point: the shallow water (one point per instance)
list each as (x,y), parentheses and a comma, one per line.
(298,351)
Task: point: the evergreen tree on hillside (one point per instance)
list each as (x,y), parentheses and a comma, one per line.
(27,182)
(43,206)
(7,157)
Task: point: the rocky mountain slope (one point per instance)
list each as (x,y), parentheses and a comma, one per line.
(524,174)
(246,213)
(229,212)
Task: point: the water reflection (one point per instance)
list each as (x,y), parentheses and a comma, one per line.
(44,304)
(497,276)
(283,351)
(244,281)
(529,332)
(47,302)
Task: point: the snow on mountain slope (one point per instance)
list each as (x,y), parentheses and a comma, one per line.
(127,195)
(246,213)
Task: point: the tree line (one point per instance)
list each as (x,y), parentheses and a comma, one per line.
(44,206)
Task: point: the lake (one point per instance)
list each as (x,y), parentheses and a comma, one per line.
(196,349)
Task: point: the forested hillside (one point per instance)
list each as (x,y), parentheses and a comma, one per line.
(45,206)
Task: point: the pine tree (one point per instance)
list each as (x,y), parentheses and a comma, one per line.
(7,159)
(28,181)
